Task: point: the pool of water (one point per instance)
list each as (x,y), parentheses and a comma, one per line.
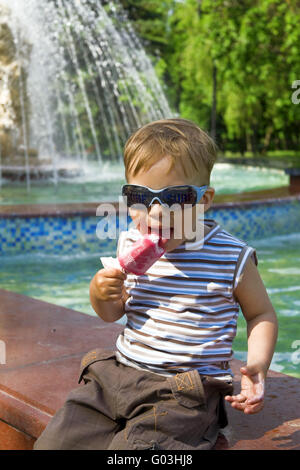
(104,185)
(64,280)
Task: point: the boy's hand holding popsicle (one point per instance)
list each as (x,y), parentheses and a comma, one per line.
(108,294)
(109,284)
(107,291)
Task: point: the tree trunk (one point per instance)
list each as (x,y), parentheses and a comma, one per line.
(267,138)
(284,142)
(248,141)
(254,143)
(199,7)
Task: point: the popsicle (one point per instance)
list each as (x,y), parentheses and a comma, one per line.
(140,256)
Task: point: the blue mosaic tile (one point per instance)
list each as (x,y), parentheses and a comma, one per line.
(66,234)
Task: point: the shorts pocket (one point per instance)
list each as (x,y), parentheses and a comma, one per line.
(187,389)
(94,356)
(212,383)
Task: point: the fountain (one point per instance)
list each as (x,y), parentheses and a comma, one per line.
(75,82)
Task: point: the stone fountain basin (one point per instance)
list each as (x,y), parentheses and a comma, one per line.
(39,172)
(44,346)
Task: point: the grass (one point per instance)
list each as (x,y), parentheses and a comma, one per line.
(274,158)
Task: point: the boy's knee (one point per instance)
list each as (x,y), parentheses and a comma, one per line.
(45,444)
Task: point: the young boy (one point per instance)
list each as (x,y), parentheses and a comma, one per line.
(164,385)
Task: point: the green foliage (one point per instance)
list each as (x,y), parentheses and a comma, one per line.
(253,46)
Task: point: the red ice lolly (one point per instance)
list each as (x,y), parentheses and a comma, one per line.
(142,254)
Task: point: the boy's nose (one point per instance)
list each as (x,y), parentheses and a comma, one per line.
(156,201)
(155,207)
(156,212)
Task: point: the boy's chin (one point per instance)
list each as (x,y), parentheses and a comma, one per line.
(171,244)
(164,234)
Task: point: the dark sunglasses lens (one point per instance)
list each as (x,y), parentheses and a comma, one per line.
(136,195)
(180,195)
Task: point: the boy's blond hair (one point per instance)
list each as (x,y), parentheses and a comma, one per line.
(181,139)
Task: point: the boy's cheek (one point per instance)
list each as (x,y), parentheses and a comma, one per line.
(189,220)
(134,213)
(139,219)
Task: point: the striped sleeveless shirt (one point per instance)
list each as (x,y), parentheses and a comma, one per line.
(182,314)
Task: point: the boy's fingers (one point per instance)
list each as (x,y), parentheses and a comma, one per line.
(115,273)
(113,282)
(255,399)
(239,398)
(109,283)
(113,290)
(111,276)
(228,398)
(246,408)
(238,406)
(115,297)
(253,408)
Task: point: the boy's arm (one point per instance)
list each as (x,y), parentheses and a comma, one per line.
(262,329)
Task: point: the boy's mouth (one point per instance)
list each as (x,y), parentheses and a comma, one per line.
(164,233)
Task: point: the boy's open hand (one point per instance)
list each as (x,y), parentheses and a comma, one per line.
(108,285)
(250,400)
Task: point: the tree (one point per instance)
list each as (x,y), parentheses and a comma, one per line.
(228,65)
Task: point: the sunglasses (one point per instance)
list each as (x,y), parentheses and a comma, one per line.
(185,194)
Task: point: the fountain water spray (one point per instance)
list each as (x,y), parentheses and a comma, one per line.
(85,84)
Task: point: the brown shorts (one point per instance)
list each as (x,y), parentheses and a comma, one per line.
(120,407)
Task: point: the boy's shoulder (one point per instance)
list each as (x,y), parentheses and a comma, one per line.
(229,237)
(245,250)
(225,238)
(218,233)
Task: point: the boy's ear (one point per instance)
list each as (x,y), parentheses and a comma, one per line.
(207,198)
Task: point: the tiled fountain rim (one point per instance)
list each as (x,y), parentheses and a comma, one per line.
(251,198)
